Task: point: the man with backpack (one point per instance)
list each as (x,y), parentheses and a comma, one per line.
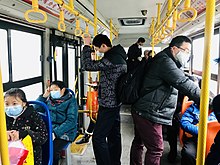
(106,135)
(158,99)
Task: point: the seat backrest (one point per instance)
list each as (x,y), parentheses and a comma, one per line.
(185,104)
(212,129)
(47,148)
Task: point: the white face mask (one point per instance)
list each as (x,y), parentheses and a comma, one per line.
(99,54)
(182,57)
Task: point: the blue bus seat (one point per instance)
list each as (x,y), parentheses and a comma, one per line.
(47,148)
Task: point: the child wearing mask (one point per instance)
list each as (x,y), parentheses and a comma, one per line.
(23,120)
(64,113)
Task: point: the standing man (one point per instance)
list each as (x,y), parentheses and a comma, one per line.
(158,103)
(106,136)
(134,53)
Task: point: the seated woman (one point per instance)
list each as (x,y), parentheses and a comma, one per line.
(213,157)
(23,120)
(189,123)
(64,113)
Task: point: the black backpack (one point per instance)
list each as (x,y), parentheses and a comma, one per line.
(130,83)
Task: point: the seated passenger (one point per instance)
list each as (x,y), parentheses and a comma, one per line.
(213,157)
(189,123)
(23,120)
(64,113)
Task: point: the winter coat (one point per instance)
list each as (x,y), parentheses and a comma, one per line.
(64,114)
(159,90)
(30,123)
(213,157)
(111,67)
(190,119)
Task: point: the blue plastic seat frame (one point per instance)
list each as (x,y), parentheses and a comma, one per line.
(47,148)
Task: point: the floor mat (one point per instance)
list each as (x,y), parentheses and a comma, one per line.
(78,149)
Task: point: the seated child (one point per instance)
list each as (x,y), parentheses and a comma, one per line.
(64,113)
(213,157)
(189,123)
(23,120)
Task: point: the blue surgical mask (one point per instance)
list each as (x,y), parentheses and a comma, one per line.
(55,94)
(13,111)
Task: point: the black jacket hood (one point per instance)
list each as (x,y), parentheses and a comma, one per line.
(116,55)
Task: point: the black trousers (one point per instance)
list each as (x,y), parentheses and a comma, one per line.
(189,151)
(58,145)
(91,126)
(107,137)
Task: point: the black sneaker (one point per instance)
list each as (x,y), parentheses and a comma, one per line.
(85,139)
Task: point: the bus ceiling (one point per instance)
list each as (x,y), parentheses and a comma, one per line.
(131,19)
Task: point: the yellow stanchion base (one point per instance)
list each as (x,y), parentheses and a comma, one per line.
(78,149)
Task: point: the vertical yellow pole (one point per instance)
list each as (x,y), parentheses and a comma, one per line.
(3,135)
(111,29)
(204,101)
(152,43)
(95,18)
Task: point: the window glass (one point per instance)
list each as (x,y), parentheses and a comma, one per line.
(213,87)
(71,65)
(33,91)
(198,53)
(59,61)
(26,52)
(4,56)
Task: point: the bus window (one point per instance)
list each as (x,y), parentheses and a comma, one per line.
(59,63)
(4,56)
(33,94)
(26,52)
(71,65)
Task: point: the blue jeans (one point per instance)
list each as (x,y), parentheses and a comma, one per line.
(107,137)
(147,134)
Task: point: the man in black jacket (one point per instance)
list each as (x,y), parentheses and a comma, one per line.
(106,136)
(157,104)
(134,54)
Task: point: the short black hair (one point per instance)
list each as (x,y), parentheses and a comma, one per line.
(60,84)
(101,39)
(216,106)
(178,41)
(141,39)
(16,92)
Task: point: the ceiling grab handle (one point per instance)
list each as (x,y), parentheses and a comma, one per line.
(61,24)
(86,33)
(158,22)
(169,30)
(78,30)
(185,9)
(35,9)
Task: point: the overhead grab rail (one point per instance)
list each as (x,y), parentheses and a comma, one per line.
(185,9)
(61,24)
(86,33)
(168,28)
(35,9)
(174,7)
(70,8)
(78,30)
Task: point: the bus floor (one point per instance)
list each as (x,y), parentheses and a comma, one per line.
(127,136)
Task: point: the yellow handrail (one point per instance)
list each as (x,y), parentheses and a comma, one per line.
(86,33)
(3,135)
(206,75)
(169,29)
(174,7)
(185,9)
(35,9)
(174,19)
(61,24)
(78,30)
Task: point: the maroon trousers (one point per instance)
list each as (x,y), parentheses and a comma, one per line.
(147,134)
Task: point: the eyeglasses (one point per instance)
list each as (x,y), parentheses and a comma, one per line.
(185,50)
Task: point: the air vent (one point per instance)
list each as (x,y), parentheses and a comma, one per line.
(132,21)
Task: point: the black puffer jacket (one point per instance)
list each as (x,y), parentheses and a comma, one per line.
(30,123)
(111,67)
(160,86)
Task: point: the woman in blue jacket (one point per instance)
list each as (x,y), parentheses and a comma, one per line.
(189,123)
(64,113)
